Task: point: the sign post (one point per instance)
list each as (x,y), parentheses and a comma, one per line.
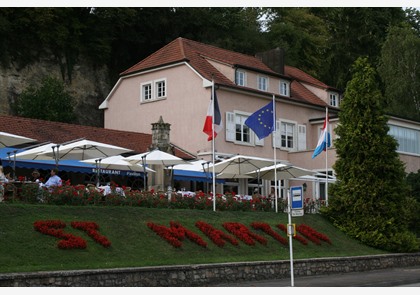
(295,208)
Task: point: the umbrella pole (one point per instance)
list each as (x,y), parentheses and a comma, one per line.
(98,175)
(144,173)
(14,164)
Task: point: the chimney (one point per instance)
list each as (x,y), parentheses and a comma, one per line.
(274,59)
(160,136)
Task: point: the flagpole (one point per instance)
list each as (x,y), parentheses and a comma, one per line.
(326,155)
(274,153)
(212,146)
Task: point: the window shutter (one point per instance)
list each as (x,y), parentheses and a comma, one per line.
(230,126)
(301,137)
(277,138)
(258,141)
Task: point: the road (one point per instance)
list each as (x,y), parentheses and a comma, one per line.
(392,277)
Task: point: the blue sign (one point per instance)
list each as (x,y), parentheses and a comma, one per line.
(296,194)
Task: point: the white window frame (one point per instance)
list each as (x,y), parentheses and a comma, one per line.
(146,91)
(244,129)
(279,143)
(153,93)
(284,88)
(333,97)
(158,91)
(240,78)
(231,132)
(262,82)
(408,139)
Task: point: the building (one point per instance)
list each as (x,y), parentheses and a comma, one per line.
(175,82)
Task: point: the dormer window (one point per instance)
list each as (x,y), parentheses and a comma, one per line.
(284,88)
(240,78)
(333,99)
(263,83)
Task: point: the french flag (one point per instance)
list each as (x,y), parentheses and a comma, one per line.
(208,124)
(324,140)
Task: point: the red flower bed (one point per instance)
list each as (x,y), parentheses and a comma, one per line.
(312,234)
(217,236)
(54,228)
(297,237)
(268,230)
(165,233)
(91,228)
(175,234)
(180,230)
(243,233)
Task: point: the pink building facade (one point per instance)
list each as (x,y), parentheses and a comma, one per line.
(175,82)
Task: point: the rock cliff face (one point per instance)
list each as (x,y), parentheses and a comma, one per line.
(89,86)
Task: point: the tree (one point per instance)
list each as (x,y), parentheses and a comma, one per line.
(353,32)
(49,102)
(399,69)
(369,202)
(301,34)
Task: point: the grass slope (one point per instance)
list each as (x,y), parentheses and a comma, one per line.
(23,249)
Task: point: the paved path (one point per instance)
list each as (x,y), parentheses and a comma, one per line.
(393,277)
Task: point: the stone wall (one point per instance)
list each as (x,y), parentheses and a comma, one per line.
(206,274)
(89,86)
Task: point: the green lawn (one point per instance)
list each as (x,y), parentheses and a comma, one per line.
(23,249)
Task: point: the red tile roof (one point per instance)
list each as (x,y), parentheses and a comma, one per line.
(301,93)
(300,75)
(197,55)
(57,132)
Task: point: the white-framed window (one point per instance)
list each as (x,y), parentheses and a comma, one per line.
(263,83)
(160,88)
(333,99)
(408,139)
(146,91)
(153,90)
(284,88)
(240,78)
(242,131)
(286,135)
(238,132)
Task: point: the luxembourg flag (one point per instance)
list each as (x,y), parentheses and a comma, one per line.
(324,140)
(218,124)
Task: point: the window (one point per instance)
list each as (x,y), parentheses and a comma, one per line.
(146,91)
(284,88)
(236,131)
(334,99)
(242,131)
(287,131)
(160,89)
(262,83)
(286,136)
(408,139)
(153,90)
(240,78)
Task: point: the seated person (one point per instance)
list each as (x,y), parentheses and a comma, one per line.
(54,180)
(36,177)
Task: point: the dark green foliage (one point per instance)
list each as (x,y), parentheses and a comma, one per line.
(50,101)
(413,181)
(400,72)
(369,200)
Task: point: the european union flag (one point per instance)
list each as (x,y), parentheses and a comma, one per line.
(262,121)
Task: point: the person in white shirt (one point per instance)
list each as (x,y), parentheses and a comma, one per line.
(54,180)
(3,179)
